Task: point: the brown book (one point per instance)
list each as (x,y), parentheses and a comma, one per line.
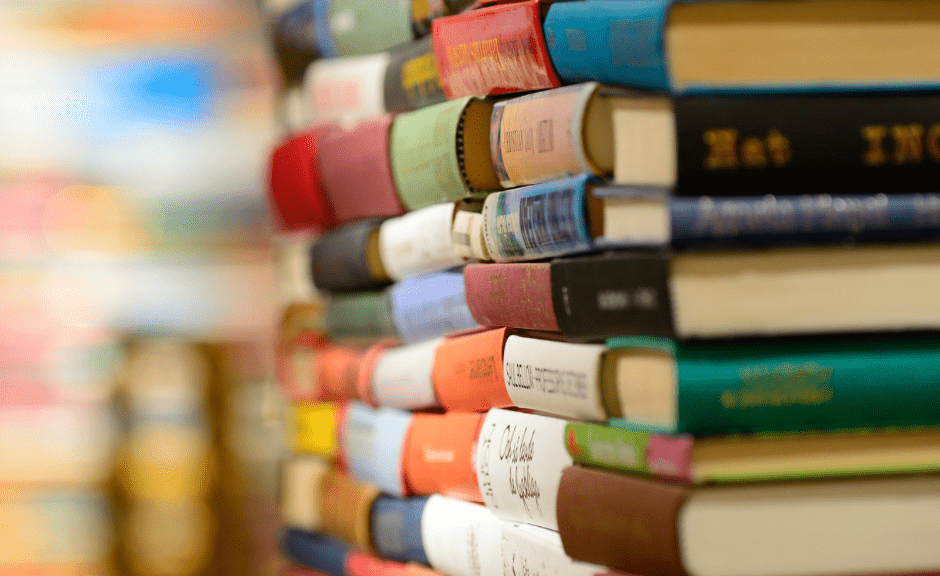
(798,528)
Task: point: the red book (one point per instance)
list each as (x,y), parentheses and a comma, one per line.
(498,49)
(294,185)
(356,171)
(514,295)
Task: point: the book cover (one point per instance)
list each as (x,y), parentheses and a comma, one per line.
(430,306)
(294,185)
(372,443)
(328,555)
(346,259)
(493,50)
(360,316)
(439,455)
(419,242)
(346,508)
(396,528)
(345,89)
(365,27)
(314,428)
(468,372)
(411,79)
(355,171)
(402,379)
(516,295)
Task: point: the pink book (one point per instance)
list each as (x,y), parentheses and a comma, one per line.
(511,295)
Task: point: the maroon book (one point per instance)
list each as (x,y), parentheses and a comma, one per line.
(512,295)
(356,171)
(294,185)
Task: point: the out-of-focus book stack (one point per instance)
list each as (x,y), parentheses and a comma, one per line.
(669,312)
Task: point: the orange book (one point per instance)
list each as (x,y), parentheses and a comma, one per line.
(468,372)
(337,372)
(440,453)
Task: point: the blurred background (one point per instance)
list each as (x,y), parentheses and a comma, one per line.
(137,303)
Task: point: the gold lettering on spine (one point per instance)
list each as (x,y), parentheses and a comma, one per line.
(933,142)
(908,143)
(778,148)
(722,149)
(753,153)
(875,135)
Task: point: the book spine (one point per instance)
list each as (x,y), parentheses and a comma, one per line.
(336,370)
(615,294)
(529,549)
(519,461)
(322,553)
(359,316)
(345,506)
(513,295)
(430,307)
(868,143)
(630,450)
(467,232)
(594,504)
(314,428)
(439,455)
(396,528)
(301,482)
(807,384)
(356,171)
(373,445)
(493,50)
(807,218)
(411,80)
(468,372)
(340,259)
(559,378)
(321,11)
(419,242)
(539,221)
(424,155)
(539,137)
(294,36)
(294,185)
(346,89)
(402,376)
(609,42)
(365,27)
(461,538)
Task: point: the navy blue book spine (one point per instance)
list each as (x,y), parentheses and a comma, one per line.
(809,218)
(396,528)
(316,552)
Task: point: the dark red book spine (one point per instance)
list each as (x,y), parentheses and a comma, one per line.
(356,170)
(494,50)
(295,186)
(511,295)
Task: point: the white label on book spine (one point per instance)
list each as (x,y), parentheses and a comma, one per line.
(555,377)
(468,237)
(519,461)
(300,498)
(538,552)
(419,242)
(346,89)
(461,538)
(402,376)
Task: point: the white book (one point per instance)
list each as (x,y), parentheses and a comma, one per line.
(419,242)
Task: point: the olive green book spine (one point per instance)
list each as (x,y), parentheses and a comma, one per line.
(361,27)
(361,316)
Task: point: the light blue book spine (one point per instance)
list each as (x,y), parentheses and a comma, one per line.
(430,307)
(358,439)
(613,42)
(321,10)
(374,443)
(396,528)
(538,221)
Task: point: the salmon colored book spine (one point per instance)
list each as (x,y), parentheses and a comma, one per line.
(296,357)
(468,372)
(440,453)
(337,372)
(366,366)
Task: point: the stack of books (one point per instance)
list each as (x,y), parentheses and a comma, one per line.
(672,311)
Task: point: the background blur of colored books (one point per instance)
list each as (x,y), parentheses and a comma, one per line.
(135,283)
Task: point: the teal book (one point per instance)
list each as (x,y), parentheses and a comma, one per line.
(778,385)
(713,45)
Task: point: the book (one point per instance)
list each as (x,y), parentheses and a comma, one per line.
(348,258)
(327,555)
(401,377)
(754,457)
(313,428)
(294,185)
(717,387)
(699,294)
(442,153)
(430,306)
(845,526)
(345,90)
(355,170)
(419,242)
(750,144)
(396,528)
(293,36)
(467,230)
(774,46)
(364,316)
(423,12)
(372,445)
(552,134)
(439,455)
(411,78)
(493,50)
(357,27)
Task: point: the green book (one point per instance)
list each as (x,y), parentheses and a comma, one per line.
(361,27)
(442,153)
(364,315)
(778,385)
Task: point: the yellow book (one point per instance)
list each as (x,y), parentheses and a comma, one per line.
(314,428)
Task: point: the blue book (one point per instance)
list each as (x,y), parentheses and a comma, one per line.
(430,306)
(316,551)
(396,528)
(374,443)
(711,46)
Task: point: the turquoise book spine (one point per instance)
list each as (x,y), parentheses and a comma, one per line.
(794,385)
